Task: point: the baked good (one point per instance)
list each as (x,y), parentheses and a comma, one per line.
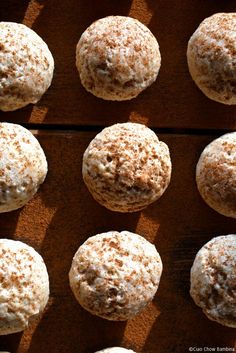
(117,58)
(23,166)
(115,275)
(24,285)
(126,167)
(26,68)
(211,57)
(216,175)
(213,278)
(115,350)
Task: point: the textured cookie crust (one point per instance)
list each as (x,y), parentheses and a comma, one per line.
(115,275)
(24,285)
(126,167)
(23,166)
(115,350)
(211,57)
(216,175)
(26,66)
(117,58)
(213,280)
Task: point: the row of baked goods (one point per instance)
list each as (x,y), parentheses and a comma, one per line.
(114,275)
(117,57)
(125,167)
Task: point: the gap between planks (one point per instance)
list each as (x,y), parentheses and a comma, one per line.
(68,128)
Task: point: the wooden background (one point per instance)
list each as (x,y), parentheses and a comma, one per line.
(63,214)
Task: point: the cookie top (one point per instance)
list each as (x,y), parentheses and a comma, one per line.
(211,57)
(216,175)
(117,58)
(126,167)
(26,66)
(213,278)
(115,350)
(115,275)
(24,285)
(23,166)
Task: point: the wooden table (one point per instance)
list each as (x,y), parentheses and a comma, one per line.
(63,214)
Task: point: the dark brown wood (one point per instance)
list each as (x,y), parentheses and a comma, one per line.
(63,214)
(173,101)
(61,217)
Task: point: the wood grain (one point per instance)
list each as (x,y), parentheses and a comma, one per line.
(63,215)
(173,101)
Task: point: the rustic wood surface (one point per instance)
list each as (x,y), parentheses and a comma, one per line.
(172,101)
(63,214)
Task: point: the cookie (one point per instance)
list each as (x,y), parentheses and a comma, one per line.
(213,278)
(126,167)
(211,56)
(115,275)
(26,68)
(216,175)
(23,166)
(117,57)
(24,286)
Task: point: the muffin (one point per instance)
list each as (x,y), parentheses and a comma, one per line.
(216,175)
(126,167)
(213,279)
(117,58)
(26,68)
(115,275)
(23,166)
(115,350)
(211,57)
(24,286)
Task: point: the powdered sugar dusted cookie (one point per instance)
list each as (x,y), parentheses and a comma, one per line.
(24,285)
(213,279)
(26,66)
(216,175)
(117,58)
(115,275)
(23,166)
(126,167)
(212,57)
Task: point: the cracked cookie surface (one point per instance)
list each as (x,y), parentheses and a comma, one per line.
(115,275)
(126,167)
(23,166)
(24,285)
(213,280)
(216,175)
(26,66)
(211,57)
(117,58)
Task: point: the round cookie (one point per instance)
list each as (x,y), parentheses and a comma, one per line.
(117,58)
(115,350)
(115,275)
(211,57)
(216,175)
(23,166)
(213,278)
(24,286)
(126,167)
(26,68)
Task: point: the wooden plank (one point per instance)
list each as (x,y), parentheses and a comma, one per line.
(61,217)
(173,101)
